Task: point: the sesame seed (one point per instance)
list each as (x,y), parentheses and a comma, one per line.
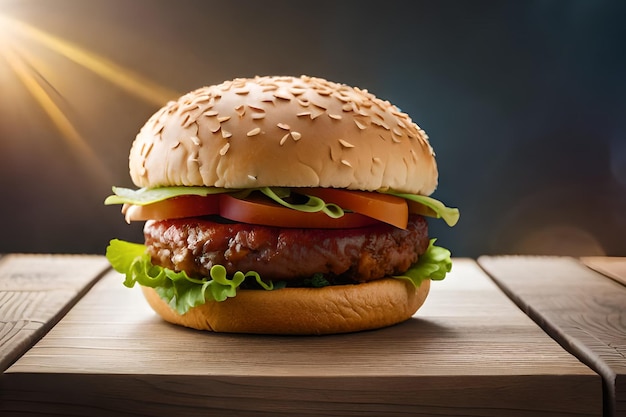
(376,159)
(296,135)
(175,145)
(252,177)
(210,113)
(303,113)
(320,106)
(360,124)
(148,149)
(318,113)
(284,139)
(283,126)
(241,110)
(347,107)
(254,131)
(242,91)
(283,95)
(212,123)
(202,97)
(340,94)
(346,144)
(195,140)
(396,131)
(296,91)
(223,119)
(377,122)
(258,116)
(346,163)
(224,149)
(187,120)
(256,108)
(334,116)
(226,134)
(377,114)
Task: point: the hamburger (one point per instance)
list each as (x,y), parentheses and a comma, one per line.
(282,205)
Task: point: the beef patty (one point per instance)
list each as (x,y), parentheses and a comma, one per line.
(363,254)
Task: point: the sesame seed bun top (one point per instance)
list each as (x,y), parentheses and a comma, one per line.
(283,131)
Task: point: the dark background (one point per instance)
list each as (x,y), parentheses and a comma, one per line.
(524,102)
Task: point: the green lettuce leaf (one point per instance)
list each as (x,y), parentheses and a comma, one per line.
(434,264)
(144,196)
(439,210)
(179,290)
(314,204)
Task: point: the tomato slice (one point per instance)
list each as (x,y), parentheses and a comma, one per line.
(259,211)
(383,207)
(173,208)
(367,208)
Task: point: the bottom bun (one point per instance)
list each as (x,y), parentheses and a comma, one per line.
(291,311)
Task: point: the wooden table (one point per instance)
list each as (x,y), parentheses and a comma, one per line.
(581,309)
(469,351)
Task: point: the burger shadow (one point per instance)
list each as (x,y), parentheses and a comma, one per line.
(413,329)
(406,342)
(420,326)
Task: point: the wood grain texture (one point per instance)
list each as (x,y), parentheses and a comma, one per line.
(469,351)
(611,266)
(581,309)
(35,291)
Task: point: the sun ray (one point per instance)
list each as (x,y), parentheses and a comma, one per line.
(54,112)
(125,78)
(27,66)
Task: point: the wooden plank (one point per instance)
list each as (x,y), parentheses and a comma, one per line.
(110,355)
(35,292)
(584,311)
(611,266)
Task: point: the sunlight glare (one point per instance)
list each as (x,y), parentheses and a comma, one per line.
(120,76)
(56,115)
(26,64)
